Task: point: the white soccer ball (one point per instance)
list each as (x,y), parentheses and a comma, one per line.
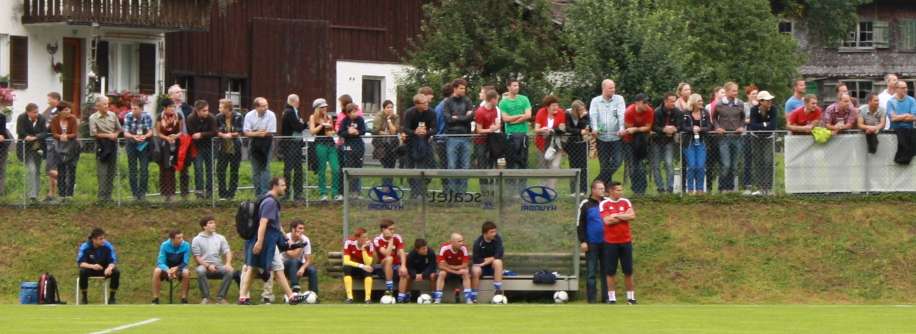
(309,297)
(386,299)
(425,299)
(560,297)
(499,299)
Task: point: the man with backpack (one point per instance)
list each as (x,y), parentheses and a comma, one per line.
(261,248)
(96,258)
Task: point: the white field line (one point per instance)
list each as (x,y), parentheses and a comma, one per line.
(123,327)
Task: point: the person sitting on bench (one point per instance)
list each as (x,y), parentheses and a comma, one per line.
(421,265)
(488,259)
(357,263)
(209,248)
(174,255)
(97,258)
(453,262)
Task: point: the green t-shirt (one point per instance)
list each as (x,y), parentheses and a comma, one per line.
(515,107)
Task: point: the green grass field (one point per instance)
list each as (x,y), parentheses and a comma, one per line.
(461,318)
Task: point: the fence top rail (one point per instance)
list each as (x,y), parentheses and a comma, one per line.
(511,173)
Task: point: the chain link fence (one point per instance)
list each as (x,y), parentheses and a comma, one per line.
(227,169)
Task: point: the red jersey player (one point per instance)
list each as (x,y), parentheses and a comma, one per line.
(389,250)
(357,261)
(617,213)
(453,259)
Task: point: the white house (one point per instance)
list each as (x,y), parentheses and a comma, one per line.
(80,47)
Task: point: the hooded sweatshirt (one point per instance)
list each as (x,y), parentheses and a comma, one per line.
(210,247)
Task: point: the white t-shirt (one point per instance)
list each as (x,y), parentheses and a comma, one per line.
(306,251)
(883,98)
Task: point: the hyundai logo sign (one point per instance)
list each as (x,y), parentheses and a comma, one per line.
(385,194)
(538,195)
(385,197)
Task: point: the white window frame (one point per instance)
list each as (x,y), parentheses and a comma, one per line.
(381,92)
(4,55)
(855,41)
(234,95)
(123,76)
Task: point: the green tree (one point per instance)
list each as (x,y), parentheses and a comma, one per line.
(648,46)
(637,43)
(484,42)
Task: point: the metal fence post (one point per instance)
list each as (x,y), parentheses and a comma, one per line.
(117,179)
(305,169)
(213,183)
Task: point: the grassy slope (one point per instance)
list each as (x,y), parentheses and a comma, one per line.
(480,318)
(782,251)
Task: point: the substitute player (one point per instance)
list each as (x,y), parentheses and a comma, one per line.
(488,259)
(453,262)
(389,250)
(617,213)
(421,265)
(357,262)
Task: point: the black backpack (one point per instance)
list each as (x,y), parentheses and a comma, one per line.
(544,276)
(47,289)
(246,218)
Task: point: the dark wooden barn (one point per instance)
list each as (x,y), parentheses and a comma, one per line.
(272,48)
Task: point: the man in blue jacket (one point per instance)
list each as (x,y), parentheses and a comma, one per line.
(590,230)
(96,258)
(174,256)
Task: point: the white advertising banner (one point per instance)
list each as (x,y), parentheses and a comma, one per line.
(844,165)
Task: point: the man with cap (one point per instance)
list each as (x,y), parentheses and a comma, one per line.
(764,119)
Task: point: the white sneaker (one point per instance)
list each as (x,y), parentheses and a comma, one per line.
(323,198)
(757,193)
(338,198)
(747,192)
(204,301)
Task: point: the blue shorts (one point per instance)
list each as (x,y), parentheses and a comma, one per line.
(487,270)
(264,259)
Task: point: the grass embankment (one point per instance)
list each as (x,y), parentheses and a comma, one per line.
(687,251)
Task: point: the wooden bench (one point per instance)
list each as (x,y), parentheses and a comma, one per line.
(523,264)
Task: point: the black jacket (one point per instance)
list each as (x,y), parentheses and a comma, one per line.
(355,142)
(207,128)
(764,122)
(291,122)
(25,128)
(455,111)
(688,123)
(419,263)
(665,117)
(574,126)
(483,250)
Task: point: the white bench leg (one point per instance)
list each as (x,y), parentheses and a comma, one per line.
(77,289)
(105,289)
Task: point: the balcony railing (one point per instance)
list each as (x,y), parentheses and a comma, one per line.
(169,15)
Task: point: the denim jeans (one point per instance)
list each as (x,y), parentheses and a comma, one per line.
(516,158)
(138,169)
(292,266)
(292,167)
(730,151)
(228,161)
(260,175)
(353,158)
(488,186)
(712,161)
(610,155)
(203,172)
(663,153)
(695,159)
(594,272)
(637,171)
(458,152)
(66,177)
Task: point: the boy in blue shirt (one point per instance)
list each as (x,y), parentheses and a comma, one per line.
(172,263)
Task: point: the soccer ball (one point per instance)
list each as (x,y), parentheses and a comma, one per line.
(425,299)
(309,297)
(499,299)
(560,297)
(386,299)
